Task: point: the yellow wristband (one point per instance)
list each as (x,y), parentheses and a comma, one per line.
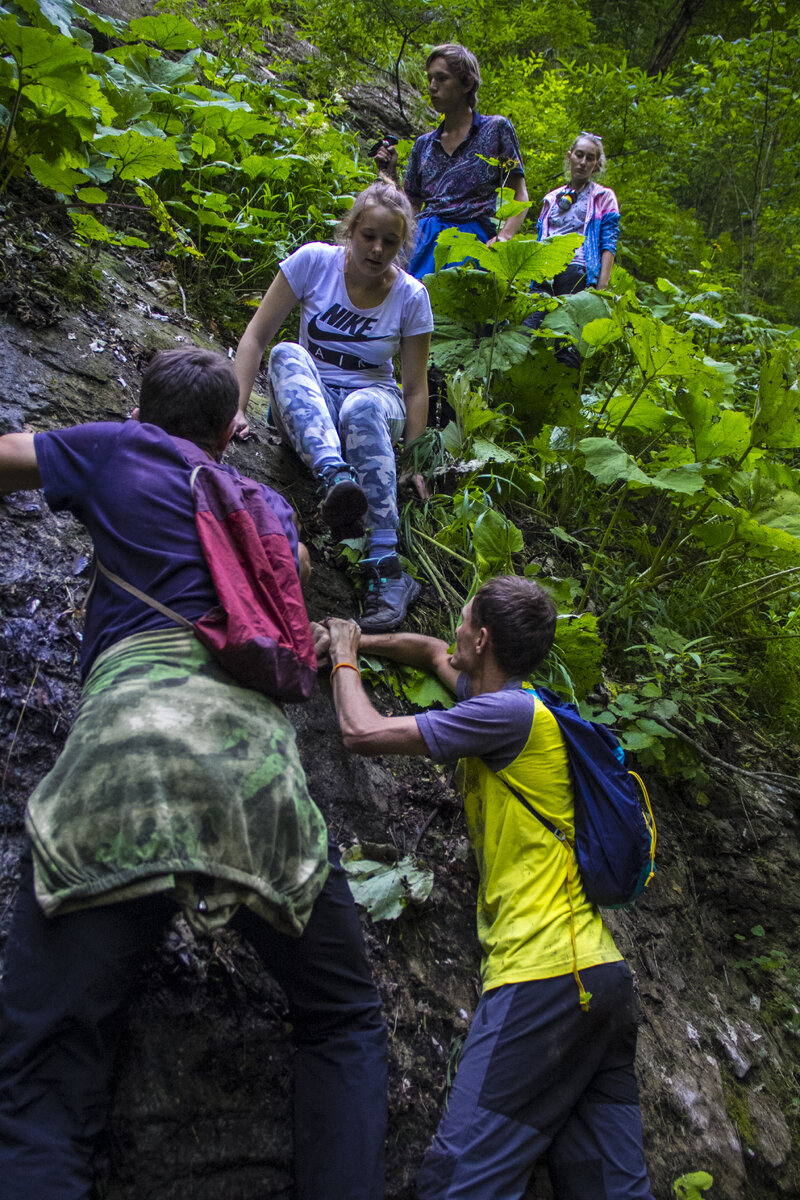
(352,667)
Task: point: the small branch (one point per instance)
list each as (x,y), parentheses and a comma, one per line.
(788,782)
(426,824)
(16,727)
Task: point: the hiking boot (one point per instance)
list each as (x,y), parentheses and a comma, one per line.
(390,593)
(344,501)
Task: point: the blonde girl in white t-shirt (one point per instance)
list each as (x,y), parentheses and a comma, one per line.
(334,396)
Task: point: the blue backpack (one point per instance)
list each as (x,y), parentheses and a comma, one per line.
(615,831)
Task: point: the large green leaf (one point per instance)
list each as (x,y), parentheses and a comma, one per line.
(89,229)
(130,100)
(581,651)
(717,433)
(686,480)
(727,437)
(40,54)
(645,414)
(152,71)
(384,884)
(424,690)
(608,462)
(541,392)
(484,450)
(777,419)
(57,176)
(600,332)
(110,27)
(139,157)
(168,31)
(54,71)
(465,295)
(520,260)
(60,14)
(661,349)
(576,311)
(495,539)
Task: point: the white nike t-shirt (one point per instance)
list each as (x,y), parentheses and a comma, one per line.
(351,346)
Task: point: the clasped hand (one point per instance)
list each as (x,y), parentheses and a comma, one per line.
(335,640)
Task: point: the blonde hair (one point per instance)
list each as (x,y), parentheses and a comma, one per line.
(597,142)
(387,195)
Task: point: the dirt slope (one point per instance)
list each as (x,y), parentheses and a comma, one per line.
(202,1101)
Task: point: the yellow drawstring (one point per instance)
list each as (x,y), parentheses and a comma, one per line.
(585,996)
(651,825)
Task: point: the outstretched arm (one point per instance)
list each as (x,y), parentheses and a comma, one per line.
(364,730)
(413,650)
(272,312)
(18,467)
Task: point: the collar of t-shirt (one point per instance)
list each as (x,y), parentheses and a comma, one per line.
(464,691)
(477,121)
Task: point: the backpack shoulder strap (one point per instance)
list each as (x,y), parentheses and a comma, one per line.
(143,596)
(559,834)
(556,832)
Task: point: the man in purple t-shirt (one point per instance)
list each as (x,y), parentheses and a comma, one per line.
(177,789)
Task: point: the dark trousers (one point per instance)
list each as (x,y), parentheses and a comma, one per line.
(572,279)
(541,1078)
(66,983)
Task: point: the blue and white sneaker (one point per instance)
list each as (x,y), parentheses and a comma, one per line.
(390,593)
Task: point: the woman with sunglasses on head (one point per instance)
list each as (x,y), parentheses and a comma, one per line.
(581,205)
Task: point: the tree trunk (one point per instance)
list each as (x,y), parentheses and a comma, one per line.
(668,46)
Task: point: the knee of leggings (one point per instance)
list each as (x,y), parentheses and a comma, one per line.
(361,406)
(283,352)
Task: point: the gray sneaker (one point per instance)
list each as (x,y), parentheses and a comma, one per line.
(390,594)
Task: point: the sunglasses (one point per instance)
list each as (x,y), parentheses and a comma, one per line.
(587,133)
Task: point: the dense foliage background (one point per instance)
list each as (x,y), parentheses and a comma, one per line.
(659,501)
(664,491)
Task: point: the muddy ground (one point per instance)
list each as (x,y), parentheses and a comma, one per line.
(202,1098)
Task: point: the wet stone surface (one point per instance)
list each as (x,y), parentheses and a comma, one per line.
(203,1086)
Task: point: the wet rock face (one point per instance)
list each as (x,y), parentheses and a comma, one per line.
(203,1090)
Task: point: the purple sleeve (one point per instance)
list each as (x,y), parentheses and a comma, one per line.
(509,144)
(412,184)
(285,514)
(68,461)
(493,726)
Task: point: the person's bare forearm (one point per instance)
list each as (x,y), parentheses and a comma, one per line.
(364,729)
(511,227)
(410,649)
(19,470)
(246,365)
(606,263)
(416,415)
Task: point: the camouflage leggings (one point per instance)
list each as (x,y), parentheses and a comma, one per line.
(328,426)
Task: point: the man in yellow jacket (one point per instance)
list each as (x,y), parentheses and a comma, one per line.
(540,1075)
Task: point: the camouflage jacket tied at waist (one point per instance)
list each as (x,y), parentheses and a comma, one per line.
(176,780)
